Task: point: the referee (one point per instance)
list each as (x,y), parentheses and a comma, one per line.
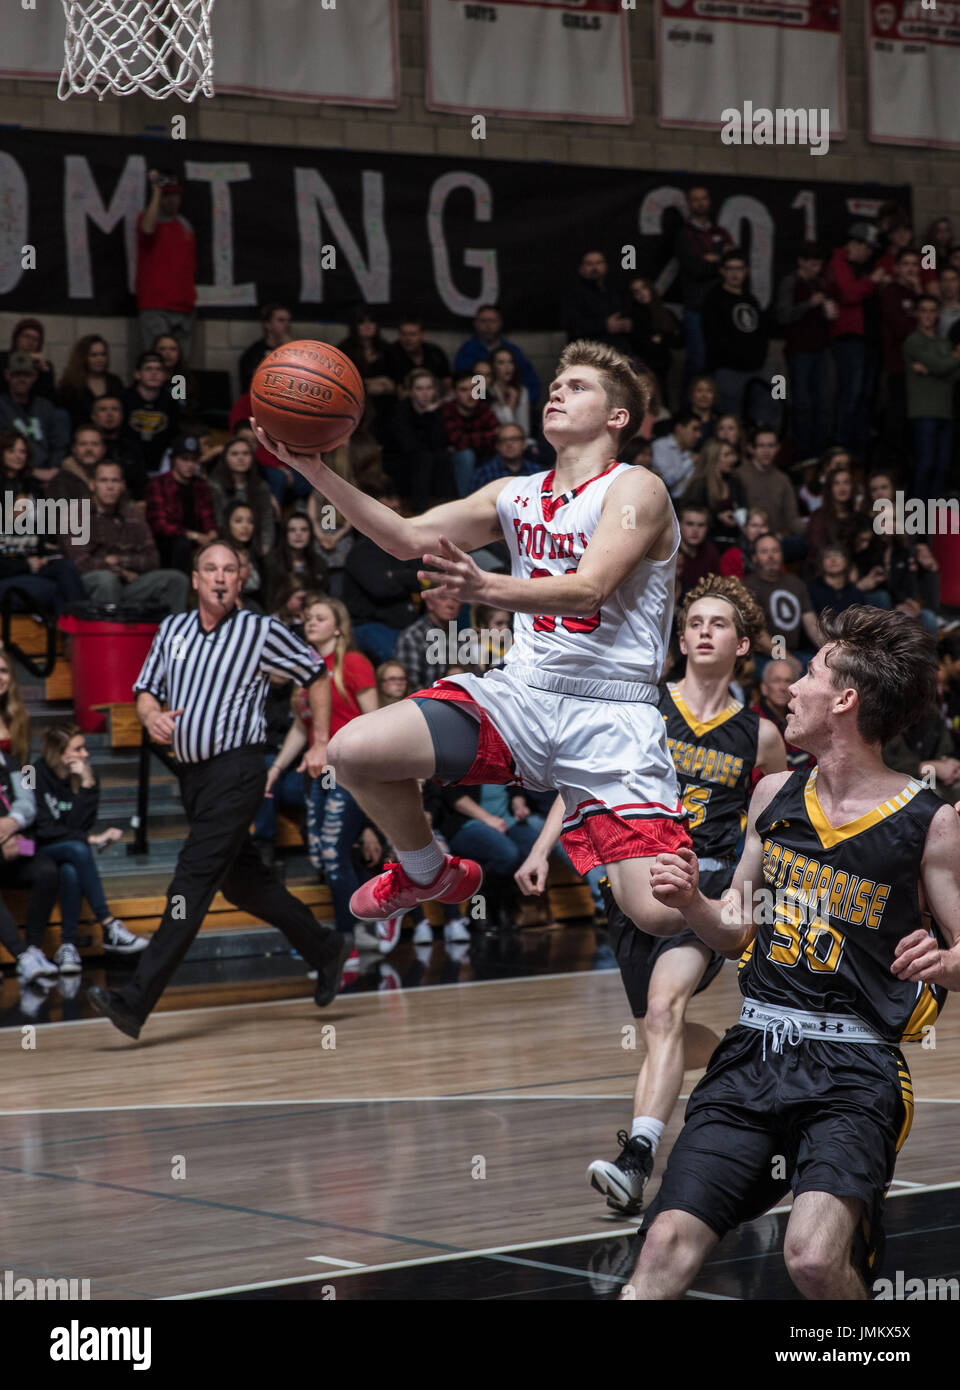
(213,666)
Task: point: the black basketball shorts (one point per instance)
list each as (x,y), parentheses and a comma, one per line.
(816,1117)
(637,952)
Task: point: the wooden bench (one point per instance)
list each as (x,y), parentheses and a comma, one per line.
(30,636)
(567,898)
(124,729)
(142,915)
(59,684)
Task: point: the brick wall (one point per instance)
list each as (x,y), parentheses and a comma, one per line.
(413,130)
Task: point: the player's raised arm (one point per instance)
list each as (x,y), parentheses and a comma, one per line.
(469,522)
(726,925)
(636,516)
(919,956)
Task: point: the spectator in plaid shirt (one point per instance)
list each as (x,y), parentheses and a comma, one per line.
(471,430)
(180,507)
(423,656)
(510,460)
(120,560)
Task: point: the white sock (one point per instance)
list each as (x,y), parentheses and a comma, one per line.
(422,865)
(646,1127)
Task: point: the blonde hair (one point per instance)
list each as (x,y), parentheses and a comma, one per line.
(344,640)
(708,471)
(14,714)
(623,388)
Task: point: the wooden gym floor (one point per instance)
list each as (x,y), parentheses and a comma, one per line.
(426,1143)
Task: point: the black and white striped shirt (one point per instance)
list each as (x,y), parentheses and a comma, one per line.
(220,678)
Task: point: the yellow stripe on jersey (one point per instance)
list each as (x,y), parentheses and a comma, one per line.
(906,1095)
(747,953)
(924,1015)
(695,725)
(830,835)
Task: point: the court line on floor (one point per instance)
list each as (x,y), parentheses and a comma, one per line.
(477,1096)
(362,1100)
(225,1206)
(489,1252)
(420,990)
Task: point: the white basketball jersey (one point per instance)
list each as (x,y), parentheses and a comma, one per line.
(627,639)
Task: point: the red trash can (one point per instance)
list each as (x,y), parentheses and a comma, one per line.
(106,659)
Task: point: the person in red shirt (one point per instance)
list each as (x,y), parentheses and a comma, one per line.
(849,289)
(471,431)
(697,556)
(180,510)
(166,266)
(334,819)
(898,311)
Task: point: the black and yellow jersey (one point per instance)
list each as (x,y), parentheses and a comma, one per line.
(714,763)
(837,900)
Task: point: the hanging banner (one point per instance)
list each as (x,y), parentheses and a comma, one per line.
(322,51)
(779,63)
(555,60)
(324,231)
(913,72)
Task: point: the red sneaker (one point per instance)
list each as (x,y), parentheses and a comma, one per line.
(393,891)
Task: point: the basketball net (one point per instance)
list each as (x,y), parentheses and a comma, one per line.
(159,47)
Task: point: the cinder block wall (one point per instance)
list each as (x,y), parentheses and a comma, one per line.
(411,129)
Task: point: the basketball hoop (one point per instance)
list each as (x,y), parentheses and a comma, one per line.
(159,47)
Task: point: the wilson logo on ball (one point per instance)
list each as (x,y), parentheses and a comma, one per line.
(308,396)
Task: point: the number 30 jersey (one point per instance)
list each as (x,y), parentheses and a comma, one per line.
(838,899)
(714,763)
(626,640)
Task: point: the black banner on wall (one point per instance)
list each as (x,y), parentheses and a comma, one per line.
(326,230)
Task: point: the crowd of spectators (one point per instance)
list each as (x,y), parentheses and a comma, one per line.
(774,478)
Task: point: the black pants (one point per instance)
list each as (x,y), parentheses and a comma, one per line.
(41,877)
(222,797)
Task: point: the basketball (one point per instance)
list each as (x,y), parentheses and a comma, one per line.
(307,395)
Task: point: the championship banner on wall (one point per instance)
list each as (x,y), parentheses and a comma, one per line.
(716,56)
(913,72)
(553,59)
(344,53)
(326,230)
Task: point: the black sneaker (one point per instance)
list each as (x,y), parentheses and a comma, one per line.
(328,978)
(622,1181)
(106,1002)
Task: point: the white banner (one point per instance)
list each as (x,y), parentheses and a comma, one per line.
(288,49)
(715,56)
(552,59)
(913,72)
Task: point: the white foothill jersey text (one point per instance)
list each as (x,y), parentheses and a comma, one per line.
(625,642)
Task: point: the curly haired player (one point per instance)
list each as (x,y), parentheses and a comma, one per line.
(593,547)
(716,743)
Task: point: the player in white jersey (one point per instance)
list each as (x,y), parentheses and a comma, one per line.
(593,546)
